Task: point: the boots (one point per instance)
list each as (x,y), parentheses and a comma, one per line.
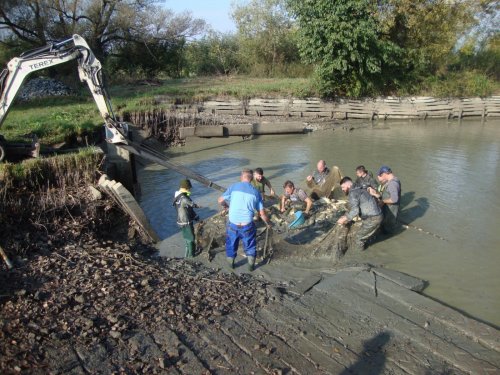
(189,250)
(251,263)
(231,262)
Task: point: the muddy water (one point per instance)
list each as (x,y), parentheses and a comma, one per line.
(450,173)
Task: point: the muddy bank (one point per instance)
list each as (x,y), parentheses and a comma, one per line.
(108,307)
(165,125)
(80,302)
(85,294)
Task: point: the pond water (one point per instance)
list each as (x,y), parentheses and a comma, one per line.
(450,174)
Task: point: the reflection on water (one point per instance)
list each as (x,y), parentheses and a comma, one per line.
(449,170)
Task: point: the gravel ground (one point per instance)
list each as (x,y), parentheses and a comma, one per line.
(93,299)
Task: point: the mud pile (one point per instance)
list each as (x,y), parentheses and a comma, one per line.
(88,295)
(90,306)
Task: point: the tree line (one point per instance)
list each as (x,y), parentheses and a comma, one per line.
(347,47)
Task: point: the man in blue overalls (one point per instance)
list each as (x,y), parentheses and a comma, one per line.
(242,199)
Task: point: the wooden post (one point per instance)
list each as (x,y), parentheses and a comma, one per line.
(6,259)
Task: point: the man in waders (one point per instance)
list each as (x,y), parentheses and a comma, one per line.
(365,206)
(260,182)
(186,215)
(364,178)
(242,199)
(294,196)
(389,196)
(323,180)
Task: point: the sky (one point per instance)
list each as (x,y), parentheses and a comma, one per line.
(215,12)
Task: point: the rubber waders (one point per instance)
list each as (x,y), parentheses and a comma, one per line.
(251,263)
(189,249)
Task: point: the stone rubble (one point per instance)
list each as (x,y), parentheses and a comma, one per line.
(42,87)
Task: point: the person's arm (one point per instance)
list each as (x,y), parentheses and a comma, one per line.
(310,181)
(391,199)
(374,193)
(354,205)
(392,189)
(354,211)
(225,198)
(309,204)
(268,184)
(264,217)
(282,205)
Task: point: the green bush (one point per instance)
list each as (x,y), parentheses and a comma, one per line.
(460,84)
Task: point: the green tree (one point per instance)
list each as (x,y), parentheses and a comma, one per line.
(266,34)
(107,25)
(216,53)
(428,30)
(343,39)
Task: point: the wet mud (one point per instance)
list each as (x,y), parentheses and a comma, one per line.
(81,302)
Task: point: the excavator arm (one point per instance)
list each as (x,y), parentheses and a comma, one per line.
(89,70)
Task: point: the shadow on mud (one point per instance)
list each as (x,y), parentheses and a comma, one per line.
(373,358)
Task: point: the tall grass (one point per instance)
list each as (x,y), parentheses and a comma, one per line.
(43,174)
(460,84)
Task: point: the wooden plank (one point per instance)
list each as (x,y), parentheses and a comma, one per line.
(268,109)
(311,114)
(230,111)
(301,107)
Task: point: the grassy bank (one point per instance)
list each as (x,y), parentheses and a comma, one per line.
(41,176)
(55,120)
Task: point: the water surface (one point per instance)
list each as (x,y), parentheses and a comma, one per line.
(450,174)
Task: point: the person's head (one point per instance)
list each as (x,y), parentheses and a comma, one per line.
(289,187)
(185,184)
(384,173)
(346,184)
(321,166)
(246,175)
(258,174)
(361,171)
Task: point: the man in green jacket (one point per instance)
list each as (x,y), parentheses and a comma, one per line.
(186,215)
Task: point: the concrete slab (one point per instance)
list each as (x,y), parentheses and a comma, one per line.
(402,279)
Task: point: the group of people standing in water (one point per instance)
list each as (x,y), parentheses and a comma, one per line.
(375,201)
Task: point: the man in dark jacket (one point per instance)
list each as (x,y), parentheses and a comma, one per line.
(365,179)
(361,204)
(186,215)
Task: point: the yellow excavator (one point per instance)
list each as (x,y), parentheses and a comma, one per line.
(90,71)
